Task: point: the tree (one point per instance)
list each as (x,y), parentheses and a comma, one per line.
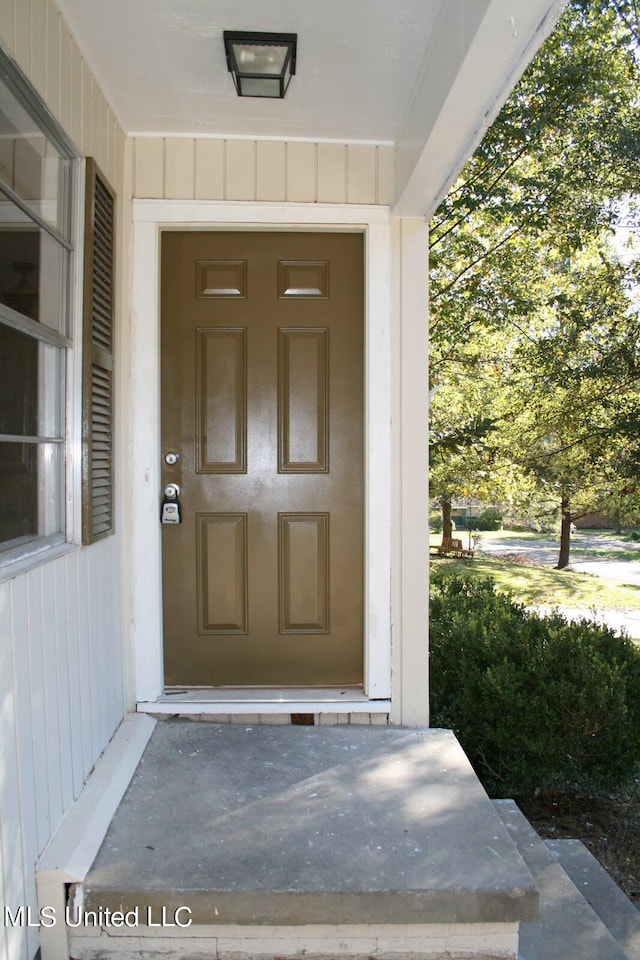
(532,318)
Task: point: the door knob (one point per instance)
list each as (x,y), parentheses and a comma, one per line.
(171,458)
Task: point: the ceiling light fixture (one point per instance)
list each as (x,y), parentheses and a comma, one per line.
(262,64)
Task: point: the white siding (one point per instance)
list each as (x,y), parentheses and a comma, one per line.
(61,699)
(62,684)
(262,170)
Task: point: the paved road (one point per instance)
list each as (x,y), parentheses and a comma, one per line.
(546,552)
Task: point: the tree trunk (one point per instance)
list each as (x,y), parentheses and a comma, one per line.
(618,522)
(565,534)
(447,522)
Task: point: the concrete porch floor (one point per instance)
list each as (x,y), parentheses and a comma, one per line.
(291,840)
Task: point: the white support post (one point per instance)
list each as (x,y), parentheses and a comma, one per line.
(411,460)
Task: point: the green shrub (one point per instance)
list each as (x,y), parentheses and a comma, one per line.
(435,522)
(489,519)
(535,702)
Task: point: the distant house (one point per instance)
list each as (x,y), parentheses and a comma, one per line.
(594,521)
(465,509)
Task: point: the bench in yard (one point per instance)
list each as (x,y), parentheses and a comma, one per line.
(452,547)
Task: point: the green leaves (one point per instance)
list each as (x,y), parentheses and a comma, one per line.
(536,703)
(535,332)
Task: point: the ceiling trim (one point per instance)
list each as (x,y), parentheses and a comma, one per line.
(144,134)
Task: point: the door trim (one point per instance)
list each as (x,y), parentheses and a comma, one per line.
(150,219)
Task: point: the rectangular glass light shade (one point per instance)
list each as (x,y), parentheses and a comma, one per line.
(259,86)
(260,58)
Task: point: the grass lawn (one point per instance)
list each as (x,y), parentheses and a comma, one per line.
(534,584)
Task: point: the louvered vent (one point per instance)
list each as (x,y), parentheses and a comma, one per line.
(97,520)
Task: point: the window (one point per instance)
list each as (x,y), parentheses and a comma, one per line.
(36,172)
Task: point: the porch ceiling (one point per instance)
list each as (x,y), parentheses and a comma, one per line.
(162,64)
(426,75)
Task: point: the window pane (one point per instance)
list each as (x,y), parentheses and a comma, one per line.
(30,165)
(30,491)
(18,383)
(33,273)
(30,386)
(18,491)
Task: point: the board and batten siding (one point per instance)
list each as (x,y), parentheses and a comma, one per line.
(187,168)
(62,664)
(34,33)
(61,699)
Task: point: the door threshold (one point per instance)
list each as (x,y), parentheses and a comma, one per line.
(262,700)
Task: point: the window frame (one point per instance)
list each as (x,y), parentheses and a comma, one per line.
(21,556)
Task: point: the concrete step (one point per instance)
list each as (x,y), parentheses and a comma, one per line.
(617,912)
(567,928)
(326,842)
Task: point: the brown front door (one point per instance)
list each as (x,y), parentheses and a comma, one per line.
(262,399)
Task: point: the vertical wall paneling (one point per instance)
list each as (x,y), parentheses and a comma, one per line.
(241,170)
(179,170)
(91,600)
(115,649)
(99,127)
(361,173)
(61,656)
(149,167)
(51,708)
(66,94)
(22,35)
(18,638)
(75,79)
(270,170)
(301,172)
(104,642)
(4,946)
(209,169)
(37,704)
(84,663)
(87,110)
(332,173)
(6,25)
(386,175)
(53,58)
(11,852)
(38,73)
(61,698)
(63,683)
(75,680)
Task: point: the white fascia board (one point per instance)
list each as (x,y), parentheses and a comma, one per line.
(478,52)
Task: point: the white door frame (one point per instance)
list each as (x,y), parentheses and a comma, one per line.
(150,218)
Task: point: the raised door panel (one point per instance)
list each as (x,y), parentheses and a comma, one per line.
(303,394)
(221,400)
(222,573)
(304,572)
